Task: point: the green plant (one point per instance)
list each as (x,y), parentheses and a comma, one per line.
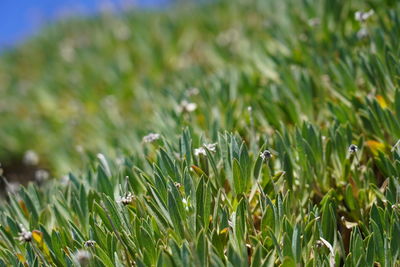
(276,137)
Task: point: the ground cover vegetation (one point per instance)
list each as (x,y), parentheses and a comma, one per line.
(228,133)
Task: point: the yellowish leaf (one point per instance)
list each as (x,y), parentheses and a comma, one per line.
(38,237)
(223,231)
(23,207)
(381,101)
(198,171)
(375,146)
(21,257)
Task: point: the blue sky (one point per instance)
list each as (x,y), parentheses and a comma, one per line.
(21,18)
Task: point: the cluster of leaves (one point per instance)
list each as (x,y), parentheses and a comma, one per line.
(307,204)
(302,79)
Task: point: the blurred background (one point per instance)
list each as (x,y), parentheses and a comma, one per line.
(97,81)
(69,77)
(22,18)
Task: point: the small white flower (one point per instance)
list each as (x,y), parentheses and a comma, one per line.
(65,180)
(228,37)
(127,199)
(319,244)
(266,155)
(24,235)
(90,243)
(192,91)
(79,149)
(122,31)
(31,158)
(82,256)
(363,16)
(13,187)
(211,147)
(41,175)
(187,107)
(67,51)
(151,137)
(353,149)
(185,204)
(314,22)
(202,150)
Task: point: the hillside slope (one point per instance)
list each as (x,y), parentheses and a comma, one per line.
(275,137)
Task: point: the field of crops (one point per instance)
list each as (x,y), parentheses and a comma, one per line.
(227,133)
